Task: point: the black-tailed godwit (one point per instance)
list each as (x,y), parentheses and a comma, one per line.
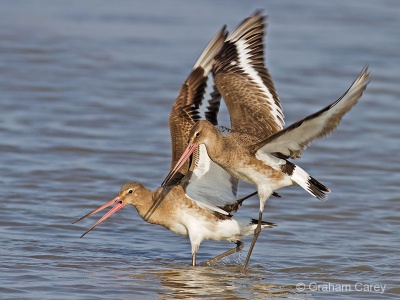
(257,148)
(201,197)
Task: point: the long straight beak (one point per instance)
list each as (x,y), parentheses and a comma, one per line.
(116,208)
(112,211)
(185,156)
(116,199)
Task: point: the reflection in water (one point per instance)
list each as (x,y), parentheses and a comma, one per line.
(180,281)
(86,93)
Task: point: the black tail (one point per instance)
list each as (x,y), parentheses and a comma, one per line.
(269,224)
(317,188)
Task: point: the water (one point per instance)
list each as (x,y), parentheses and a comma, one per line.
(86,89)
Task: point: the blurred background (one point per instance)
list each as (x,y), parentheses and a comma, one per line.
(85,93)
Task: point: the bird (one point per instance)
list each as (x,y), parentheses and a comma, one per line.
(172,208)
(248,90)
(201,196)
(257,148)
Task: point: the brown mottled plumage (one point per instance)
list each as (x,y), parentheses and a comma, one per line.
(245,83)
(171,206)
(184,112)
(249,93)
(257,148)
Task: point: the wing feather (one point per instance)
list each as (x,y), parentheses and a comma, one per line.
(185,111)
(291,141)
(245,83)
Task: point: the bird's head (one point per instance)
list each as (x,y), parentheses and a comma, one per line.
(130,194)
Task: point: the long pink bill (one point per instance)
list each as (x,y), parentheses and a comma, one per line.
(116,199)
(185,156)
(112,211)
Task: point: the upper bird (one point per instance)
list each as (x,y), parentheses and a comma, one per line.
(257,148)
(201,197)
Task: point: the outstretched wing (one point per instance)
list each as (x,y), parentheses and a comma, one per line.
(244,82)
(206,183)
(291,141)
(185,111)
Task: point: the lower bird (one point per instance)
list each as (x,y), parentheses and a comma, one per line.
(171,208)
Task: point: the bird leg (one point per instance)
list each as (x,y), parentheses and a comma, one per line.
(253,242)
(193,259)
(239,202)
(239,247)
(195,248)
(234,207)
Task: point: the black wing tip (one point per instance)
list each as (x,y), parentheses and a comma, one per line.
(224,31)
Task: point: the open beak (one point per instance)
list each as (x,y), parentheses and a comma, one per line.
(116,208)
(185,156)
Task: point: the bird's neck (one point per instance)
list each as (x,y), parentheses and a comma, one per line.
(216,146)
(144,204)
(150,207)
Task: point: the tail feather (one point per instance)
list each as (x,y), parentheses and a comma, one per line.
(264,224)
(310,184)
(318,188)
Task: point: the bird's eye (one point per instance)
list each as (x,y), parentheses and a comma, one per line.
(197,134)
(130,191)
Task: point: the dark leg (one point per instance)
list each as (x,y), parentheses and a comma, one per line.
(253,242)
(239,247)
(234,207)
(239,202)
